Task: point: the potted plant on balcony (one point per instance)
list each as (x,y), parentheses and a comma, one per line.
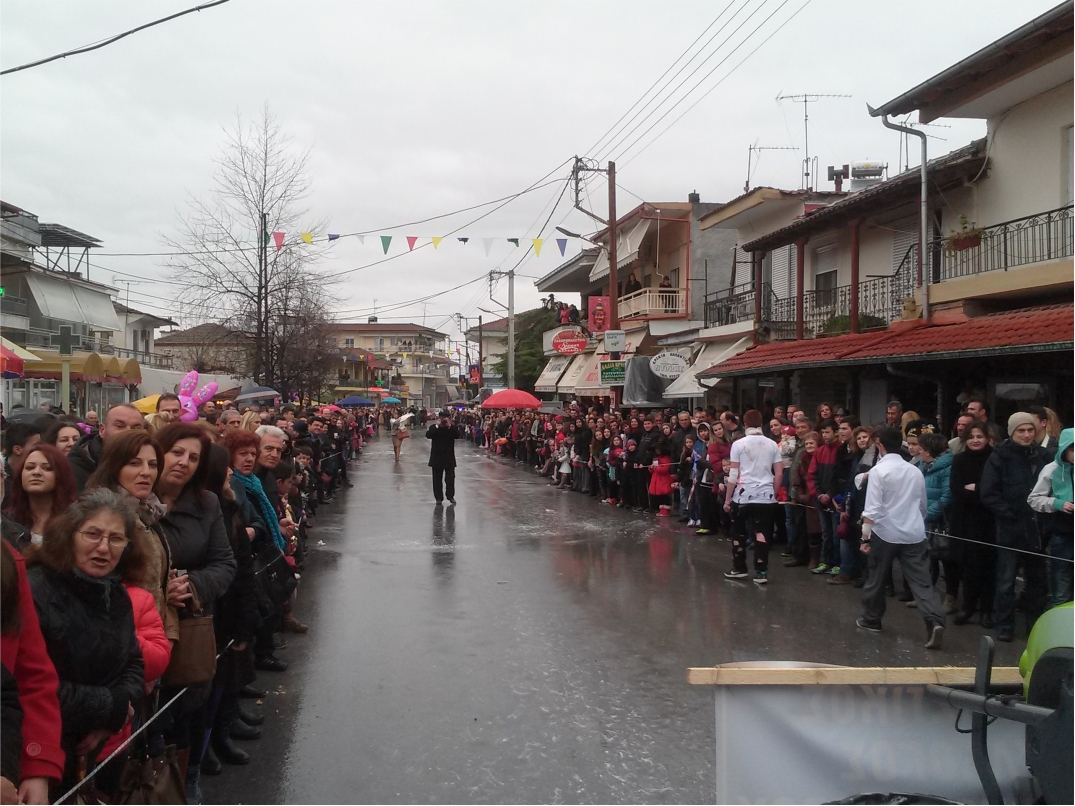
(968,236)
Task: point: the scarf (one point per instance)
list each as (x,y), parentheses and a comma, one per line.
(149,511)
(252,485)
(1062,482)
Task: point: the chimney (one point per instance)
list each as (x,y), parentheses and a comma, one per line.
(838,175)
(693,197)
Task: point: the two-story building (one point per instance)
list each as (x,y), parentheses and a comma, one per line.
(841,315)
(411,357)
(666,265)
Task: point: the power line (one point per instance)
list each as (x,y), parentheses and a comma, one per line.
(688,93)
(110,40)
(655,83)
(721,81)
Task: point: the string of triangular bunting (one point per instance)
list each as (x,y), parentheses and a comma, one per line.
(280,240)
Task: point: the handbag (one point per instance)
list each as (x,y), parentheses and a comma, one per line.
(940,543)
(403,433)
(150,779)
(194,655)
(274,575)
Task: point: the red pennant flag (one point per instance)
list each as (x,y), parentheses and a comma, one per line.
(278,237)
(411,241)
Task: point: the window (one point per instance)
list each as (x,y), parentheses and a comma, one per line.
(1070,167)
(349,341)
(825,276)
(379,342)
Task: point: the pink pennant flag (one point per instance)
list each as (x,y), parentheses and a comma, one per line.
(278,237)
(411,241)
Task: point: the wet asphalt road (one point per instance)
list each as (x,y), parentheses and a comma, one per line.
(528,645)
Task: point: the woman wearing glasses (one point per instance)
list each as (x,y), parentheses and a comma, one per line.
(86,617)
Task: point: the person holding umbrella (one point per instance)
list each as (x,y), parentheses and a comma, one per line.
(443,435)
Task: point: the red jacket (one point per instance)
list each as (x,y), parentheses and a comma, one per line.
(660,477)
(821,476)
(24,655)
(155,646)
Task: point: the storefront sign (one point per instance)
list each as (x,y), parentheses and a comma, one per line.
(613,373)
(569,342)
(599,308)
(668,365)
(615,341)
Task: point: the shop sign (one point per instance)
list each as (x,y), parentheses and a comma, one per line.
(615,341)
(569,342)
(613,373)
(668,365)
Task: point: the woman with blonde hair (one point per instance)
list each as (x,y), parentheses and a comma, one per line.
(250,422)
(908,418)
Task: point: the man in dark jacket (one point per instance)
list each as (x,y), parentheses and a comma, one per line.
(1007,481)
(644,455)
(86,453)
(442,435)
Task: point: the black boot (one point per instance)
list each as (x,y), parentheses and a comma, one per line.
(228,751)
(210,763)
(240,730)
(253,693)
(250,716)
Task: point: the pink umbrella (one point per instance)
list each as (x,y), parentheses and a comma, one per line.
(511,399)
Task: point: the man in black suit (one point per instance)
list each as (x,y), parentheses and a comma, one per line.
(443,434)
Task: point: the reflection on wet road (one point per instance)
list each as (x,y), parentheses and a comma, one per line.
(528,645)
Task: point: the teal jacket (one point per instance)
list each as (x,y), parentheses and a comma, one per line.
(938,491)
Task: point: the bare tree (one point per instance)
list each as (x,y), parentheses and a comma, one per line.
(229,265)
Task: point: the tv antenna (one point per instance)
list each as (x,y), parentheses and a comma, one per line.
(806,99)
(750,155)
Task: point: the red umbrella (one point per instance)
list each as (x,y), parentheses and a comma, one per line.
(11,366)
(511,399)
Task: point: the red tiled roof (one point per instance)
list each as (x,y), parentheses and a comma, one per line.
(1048,328)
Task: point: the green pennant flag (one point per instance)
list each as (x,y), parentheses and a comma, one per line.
(266,239)
(385,241)
(514,241)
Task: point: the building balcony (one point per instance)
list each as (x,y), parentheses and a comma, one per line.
(653,302)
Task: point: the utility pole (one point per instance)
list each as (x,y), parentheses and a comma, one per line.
(613,281)
(511,329)
(481,358)
(261,315)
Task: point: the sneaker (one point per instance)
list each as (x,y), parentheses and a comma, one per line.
(704,531)
(911,603)
(839,579)
(733,574)
(835,570)
(786,553)
(761,578)
(936,637)
(861,622)
(820,569)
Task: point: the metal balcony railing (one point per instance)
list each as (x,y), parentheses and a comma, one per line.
(1019,242)
(14,306)
(653,302)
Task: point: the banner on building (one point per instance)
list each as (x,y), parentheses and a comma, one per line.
(613,373)
(599,310)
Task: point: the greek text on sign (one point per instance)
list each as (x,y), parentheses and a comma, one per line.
(613,373)
(569,342)
(668,365)
(615,341)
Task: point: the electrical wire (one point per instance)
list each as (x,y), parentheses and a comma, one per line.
(703,78)
(706,93)
(110,40)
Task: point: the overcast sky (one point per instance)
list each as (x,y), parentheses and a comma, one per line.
(415,109)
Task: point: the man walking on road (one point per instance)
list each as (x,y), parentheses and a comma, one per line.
(753,480)
(894,528)
(443,434)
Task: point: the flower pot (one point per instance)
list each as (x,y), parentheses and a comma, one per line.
(958,243)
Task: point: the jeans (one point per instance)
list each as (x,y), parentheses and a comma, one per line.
(1060,546)
(849,557)
(830,550)
(789,526)
(1015,535)
(914,560)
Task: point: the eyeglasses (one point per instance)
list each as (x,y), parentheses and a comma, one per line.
(94,537)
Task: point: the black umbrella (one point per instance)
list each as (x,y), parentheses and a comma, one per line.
(23,415)
(256,393)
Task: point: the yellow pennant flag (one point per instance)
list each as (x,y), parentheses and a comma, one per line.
(307,236)
(537,242)
(436,242)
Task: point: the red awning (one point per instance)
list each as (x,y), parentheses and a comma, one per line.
(1047,328)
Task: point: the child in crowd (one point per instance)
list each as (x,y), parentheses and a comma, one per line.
(614,460)
(660,481)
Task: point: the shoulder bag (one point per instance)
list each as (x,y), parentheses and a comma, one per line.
(275,577)
(194,655)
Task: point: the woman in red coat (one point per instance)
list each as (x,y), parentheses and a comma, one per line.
(660,480)
(27,665)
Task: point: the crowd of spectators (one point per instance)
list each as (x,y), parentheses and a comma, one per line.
(149,566)
(996,500)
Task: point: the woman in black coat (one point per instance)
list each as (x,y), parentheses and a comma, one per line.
(969,518)
(87,620)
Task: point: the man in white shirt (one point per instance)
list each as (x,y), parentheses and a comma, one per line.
(893,528)
(753,480)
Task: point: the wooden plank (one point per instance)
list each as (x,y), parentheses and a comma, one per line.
(846,675)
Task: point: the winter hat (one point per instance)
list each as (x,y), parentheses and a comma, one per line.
(1018,419)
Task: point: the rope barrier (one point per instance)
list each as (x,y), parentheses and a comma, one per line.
(126,743)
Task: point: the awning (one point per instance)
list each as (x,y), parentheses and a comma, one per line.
(686,385)
(589,384)
(1026,331)
(70,302)
(84,367)
(131,372)
(627,244)
(573,374)
(21,352)
(549,377)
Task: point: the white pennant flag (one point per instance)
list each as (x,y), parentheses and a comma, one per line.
(362,240)
(488,244)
